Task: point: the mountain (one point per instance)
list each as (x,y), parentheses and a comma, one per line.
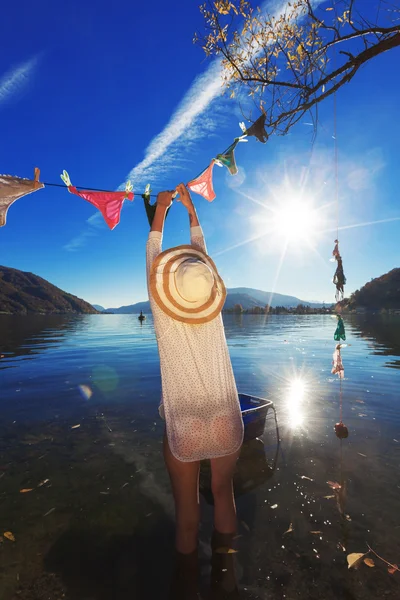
(247,297)
(380,293)
(99,308)
(264,298)
(22,293)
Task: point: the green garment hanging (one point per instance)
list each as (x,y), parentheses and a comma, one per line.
(228,158)
(340,333)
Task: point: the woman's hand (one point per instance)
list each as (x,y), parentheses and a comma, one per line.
(184,196)
(165,198)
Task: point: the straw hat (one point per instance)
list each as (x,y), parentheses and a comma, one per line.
(185,284)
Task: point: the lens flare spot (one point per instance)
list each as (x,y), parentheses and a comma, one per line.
(105,378)
(85,391)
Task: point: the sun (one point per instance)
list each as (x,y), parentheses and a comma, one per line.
(296,221)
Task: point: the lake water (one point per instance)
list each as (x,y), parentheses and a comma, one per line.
(80,429)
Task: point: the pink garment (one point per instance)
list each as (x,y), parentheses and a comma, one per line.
(337,367)
(203,184)
(108,203)
(13,188)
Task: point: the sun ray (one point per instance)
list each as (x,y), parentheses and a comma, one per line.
(365,224)
(248,241)
(278,271)
(254,200)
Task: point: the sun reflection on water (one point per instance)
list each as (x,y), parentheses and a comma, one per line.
(295,401)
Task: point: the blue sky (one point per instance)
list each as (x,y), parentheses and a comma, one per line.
(97,89)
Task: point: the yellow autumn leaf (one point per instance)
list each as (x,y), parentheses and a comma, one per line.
(355,559)
(225,551)
(290,529)
(369,562)
(25,490)
(9,536)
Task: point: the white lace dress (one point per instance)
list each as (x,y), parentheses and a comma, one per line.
(199,395)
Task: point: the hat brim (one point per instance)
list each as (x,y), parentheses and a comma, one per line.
(163,288)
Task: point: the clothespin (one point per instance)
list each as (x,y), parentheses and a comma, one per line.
(128,187)
(36,176)
(65,177)
(146,195)
(243,138)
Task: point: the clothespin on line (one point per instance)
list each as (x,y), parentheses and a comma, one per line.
(36,176)
(65,177)
(128,187)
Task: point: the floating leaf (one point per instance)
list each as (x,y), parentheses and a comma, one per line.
(354,559)
(369,562)
(75,426)
(393,569)
(334,485)
(225,551)
(25,490)
(43,482)
(290,529)
(9,536)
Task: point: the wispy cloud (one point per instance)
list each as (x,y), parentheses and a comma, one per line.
(192,119)
(95,223)
(182,126)
(15,80)
(199,114)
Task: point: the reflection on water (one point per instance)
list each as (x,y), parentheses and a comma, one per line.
(80,430)
(295,401)
(383,332)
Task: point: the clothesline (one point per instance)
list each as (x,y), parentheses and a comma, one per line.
(90,189)
(110,202)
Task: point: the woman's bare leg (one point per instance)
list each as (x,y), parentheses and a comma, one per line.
(185,487)
(223,579)
(222,470)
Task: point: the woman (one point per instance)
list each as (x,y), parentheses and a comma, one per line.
(200,399)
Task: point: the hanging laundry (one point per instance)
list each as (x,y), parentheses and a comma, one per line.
(203,184)
(339,279)
(151,208)
(227,159)
(13,188)
(257,129)
(337,363)
(108,203)
(335,252)
(340,333)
